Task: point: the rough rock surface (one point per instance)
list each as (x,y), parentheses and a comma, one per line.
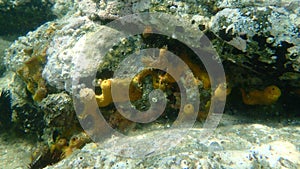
(253,35)
(262,37)
(14,151)
(231,146)
(3,45)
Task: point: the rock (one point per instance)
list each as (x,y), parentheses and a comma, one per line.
(244,146)
(3,45)
(256,32)
(258,43)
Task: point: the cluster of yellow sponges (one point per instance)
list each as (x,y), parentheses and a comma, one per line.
(164,81)
(160,81)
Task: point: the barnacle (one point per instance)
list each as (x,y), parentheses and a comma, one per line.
(257,97)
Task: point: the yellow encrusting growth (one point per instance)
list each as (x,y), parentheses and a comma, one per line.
(257,97)
(31,73)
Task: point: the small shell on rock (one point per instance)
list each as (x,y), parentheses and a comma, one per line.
(184,164)
(173,8)
(270,40)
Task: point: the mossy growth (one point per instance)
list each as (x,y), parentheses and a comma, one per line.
(117,53)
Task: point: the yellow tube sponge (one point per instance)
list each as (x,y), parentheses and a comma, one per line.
(257,97)
(106,97)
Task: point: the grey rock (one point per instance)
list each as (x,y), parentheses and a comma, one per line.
(3,45)
(76,57)
(266,23)
(239,151)
(262,35)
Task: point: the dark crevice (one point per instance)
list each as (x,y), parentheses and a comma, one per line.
(24,17)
